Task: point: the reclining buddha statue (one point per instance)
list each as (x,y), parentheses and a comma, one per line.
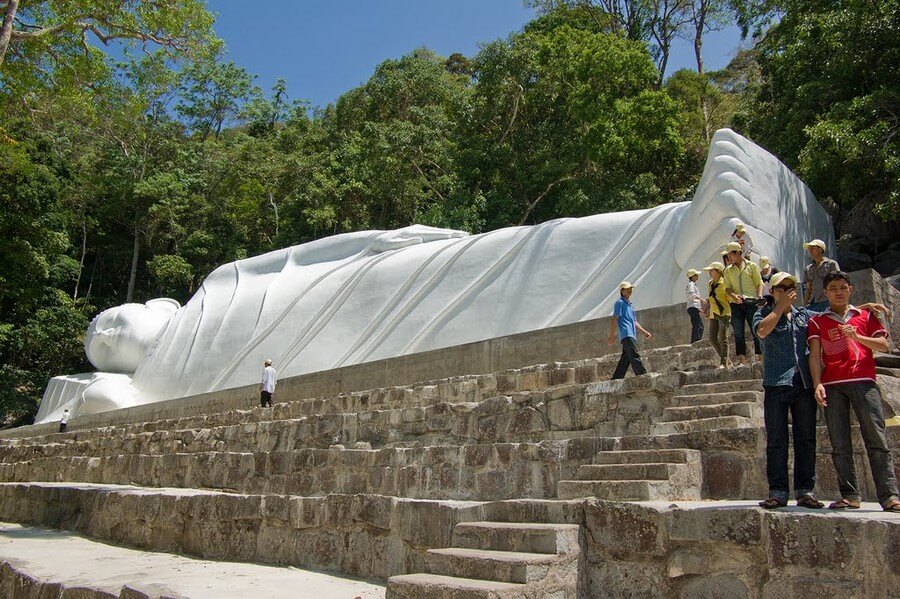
(369,295)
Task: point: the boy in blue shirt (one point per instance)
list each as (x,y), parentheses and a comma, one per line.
(626,324)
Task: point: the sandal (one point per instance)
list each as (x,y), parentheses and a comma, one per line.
(809,501)
(844,504)
(892,506)
(771,503)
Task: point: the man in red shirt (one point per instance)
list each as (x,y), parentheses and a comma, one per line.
(841,341)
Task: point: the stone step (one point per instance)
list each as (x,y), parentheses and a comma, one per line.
(705,424)
(453,390)
(702,399)
(40,562)
(749,440)
(527,537)
(732,386)
(625,471)
(305,532)
(647,456)
(489,564)
(609,490)
(434,586)
(465,472)
(720,375)
(745,409)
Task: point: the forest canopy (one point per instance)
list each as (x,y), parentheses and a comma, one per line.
(132,174)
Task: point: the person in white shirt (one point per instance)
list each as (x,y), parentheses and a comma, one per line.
(694,305)
(64,421)
(267,386)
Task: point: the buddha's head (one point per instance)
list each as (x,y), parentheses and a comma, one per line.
(119,338)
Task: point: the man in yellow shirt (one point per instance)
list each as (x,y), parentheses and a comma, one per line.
(744,287)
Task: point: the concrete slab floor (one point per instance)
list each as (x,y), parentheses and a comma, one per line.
(73,560)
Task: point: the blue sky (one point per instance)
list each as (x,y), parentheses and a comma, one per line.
(325,48)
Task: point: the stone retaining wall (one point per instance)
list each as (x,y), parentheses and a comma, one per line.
(685,549)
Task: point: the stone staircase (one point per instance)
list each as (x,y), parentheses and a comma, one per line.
(508,560)
(637,475)
(674,473)
(472,486)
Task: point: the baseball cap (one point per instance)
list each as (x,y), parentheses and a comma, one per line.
(814,243)
(625,285)
(780,277)
(715,266)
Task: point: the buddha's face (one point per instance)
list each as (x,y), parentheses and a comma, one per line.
(118,338)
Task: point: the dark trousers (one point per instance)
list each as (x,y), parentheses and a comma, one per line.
(696,325)
(865,399)
(265,399)
(799,402)
(629,356)
(62,427)
(740,314)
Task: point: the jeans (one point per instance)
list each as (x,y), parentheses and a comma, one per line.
(629,356)
(865,399)
(265,399)
(740,314)
(696,325)
(802,407)
(718,336)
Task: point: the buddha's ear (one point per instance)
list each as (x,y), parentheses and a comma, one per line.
(164,304)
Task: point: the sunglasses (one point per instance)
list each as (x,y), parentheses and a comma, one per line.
(735,252)
(785,287)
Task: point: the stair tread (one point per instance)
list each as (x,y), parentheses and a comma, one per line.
(497,556)
(543,526)
(102,568)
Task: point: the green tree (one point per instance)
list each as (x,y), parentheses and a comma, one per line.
(41,327)
(213,94)
(394,136)
(41,40)
(828,101)
(566,122)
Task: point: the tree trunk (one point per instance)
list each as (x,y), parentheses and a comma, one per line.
(83,252)
(6,29)
(132,278)
(663,60)
(698,53)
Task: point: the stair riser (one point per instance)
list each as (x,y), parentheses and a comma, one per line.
(400,587)
(625,472)
(605,490)
(747,410)
(685,401)
(673,456)
(722,387)
(529,541)
(462,567)
(695,426)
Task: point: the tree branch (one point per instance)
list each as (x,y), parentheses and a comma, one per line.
(6,29)
(537,200)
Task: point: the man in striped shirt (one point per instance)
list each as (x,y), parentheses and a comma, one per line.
(842,366)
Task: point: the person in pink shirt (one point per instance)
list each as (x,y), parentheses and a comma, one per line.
(842,367)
